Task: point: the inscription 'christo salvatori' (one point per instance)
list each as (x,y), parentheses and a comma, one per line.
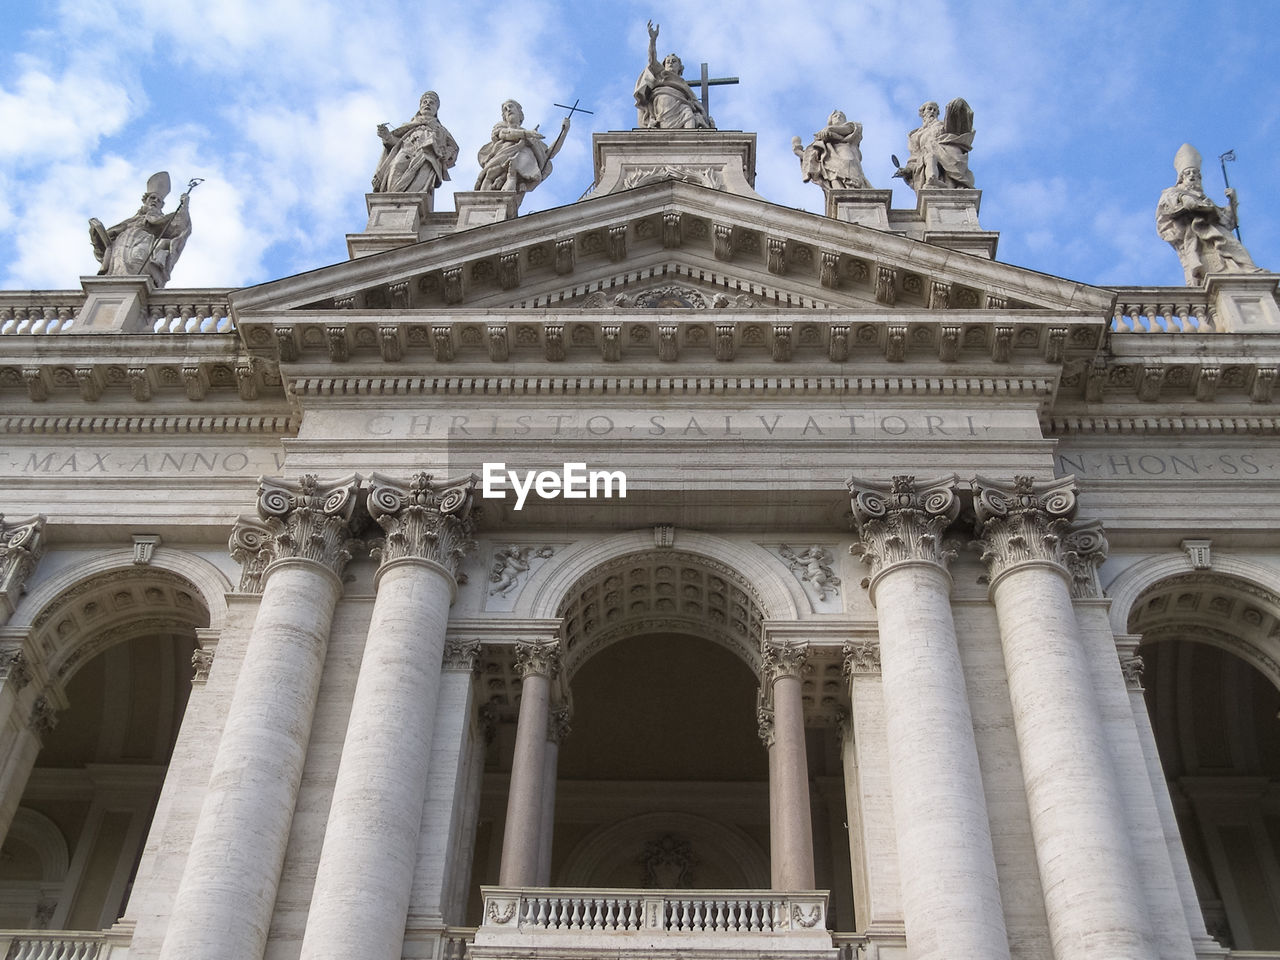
(575,482)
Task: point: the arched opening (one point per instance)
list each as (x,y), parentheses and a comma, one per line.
(664,781)
(120,648)
(1206,640)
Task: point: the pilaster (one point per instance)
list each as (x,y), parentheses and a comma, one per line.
(21,545)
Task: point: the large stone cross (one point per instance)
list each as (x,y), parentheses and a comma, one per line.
(706,83)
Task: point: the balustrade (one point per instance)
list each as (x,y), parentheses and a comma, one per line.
(47,945)
(1162,310)
(47,313)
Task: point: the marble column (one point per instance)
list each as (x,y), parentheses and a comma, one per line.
(31,725)
(365,874)
(950,892)
(21,544)
(557,729)
(1093,896)
(537,663)
(790,819)
(297,552)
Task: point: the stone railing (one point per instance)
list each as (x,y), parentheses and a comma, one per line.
(1162,310)
(54,945)
(49,312)
(722,920)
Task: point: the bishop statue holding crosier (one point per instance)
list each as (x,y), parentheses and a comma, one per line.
(1197,228)
(148,243)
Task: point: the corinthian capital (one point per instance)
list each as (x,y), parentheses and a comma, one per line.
(784,660)
(537,659)
(904,520)
(303,519)
(21,544)
(1023,522)
(424,519)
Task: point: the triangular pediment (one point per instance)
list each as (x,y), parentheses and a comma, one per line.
(667,246)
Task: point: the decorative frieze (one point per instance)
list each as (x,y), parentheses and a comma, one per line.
(21,544)
(537,659)
(861,657)
(904,521)
(424,519)
(1024,522)
(564,261)
(461,654)
(302,519)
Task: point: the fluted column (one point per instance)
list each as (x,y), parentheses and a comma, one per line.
(1093,896)
(950,893)
(298,552)
(557,729)
(21,544)
(537,664)
(365,874)
(790,821)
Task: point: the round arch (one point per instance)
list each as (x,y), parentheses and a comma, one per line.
(1125,589)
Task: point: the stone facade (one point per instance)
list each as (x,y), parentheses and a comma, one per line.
(432,602)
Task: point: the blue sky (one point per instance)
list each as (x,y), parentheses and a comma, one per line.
(1079,108)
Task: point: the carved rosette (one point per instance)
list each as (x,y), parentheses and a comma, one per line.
(302,519)
(1085,548)
(861,657)
(424,519)
(461,654)
(904,520)
(21,544)
(14,668)
(537,659)
(1023,523)
(780,660)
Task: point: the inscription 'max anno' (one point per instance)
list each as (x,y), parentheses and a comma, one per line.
(189,462)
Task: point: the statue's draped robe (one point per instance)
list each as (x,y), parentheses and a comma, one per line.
(1201,234)
(501,157)
(665,100)
(836,160)
(146,244)
(939,156)
(420,160)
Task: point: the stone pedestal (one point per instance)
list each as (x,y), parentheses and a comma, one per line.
(1244,302)
(522,838)
(950,890)
(719,159)
(951,220)
(870,208)
(479,207)
(114,305)
(1093,896)
(394,221)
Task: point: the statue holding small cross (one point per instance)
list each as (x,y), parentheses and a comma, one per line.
(665,100)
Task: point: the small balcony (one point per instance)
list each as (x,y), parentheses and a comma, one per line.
(519,921)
